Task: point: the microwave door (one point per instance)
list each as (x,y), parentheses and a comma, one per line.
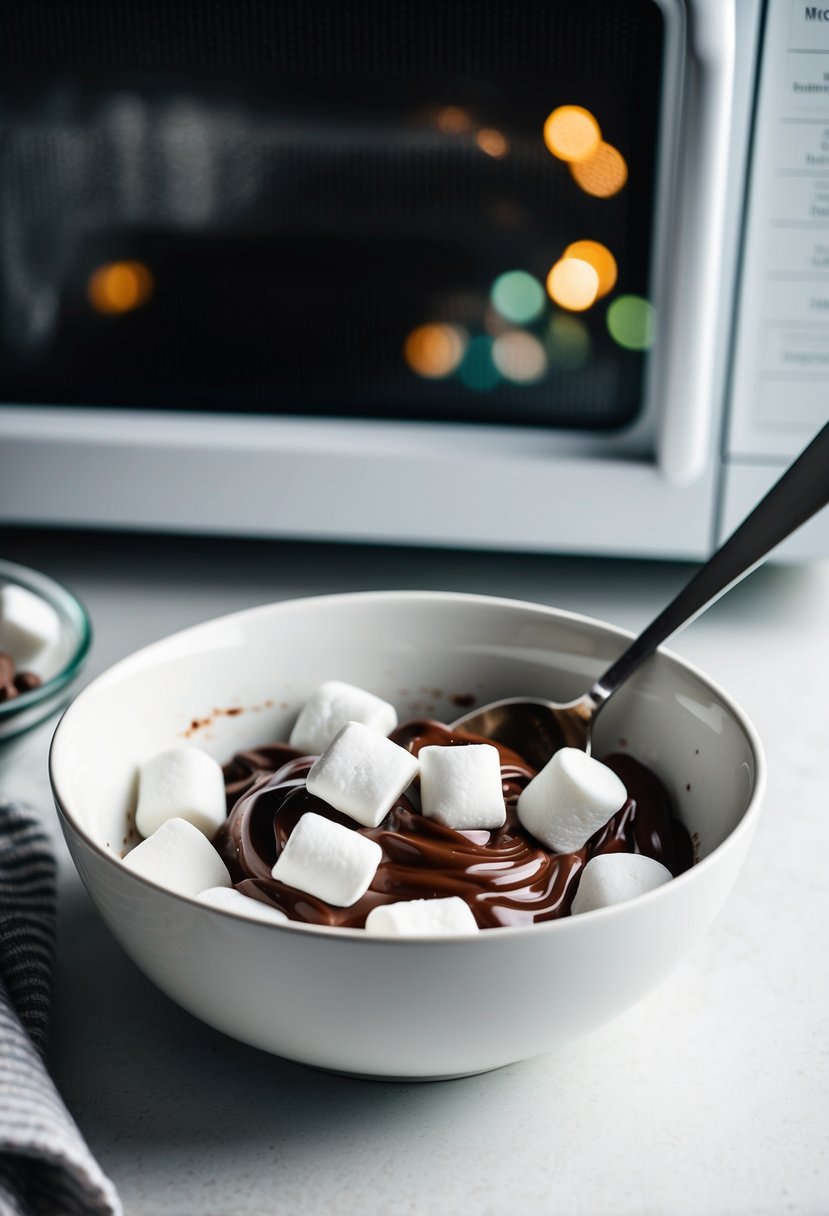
(450,229)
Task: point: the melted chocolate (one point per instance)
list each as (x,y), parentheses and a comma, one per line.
(505,876)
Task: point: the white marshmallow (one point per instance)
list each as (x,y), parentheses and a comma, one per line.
(412,917)
(612,878)
(27,623)
(332,705)
(328,860)
(570,799)
(362,773)
(179,857)
(461,786)
(232,900)
(182,783)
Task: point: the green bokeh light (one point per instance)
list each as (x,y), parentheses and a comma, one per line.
(477,371)
(518,296)
(568,342)
(630,322)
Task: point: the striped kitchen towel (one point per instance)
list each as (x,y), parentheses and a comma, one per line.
(45,1164)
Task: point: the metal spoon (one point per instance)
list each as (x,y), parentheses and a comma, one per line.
(537,728)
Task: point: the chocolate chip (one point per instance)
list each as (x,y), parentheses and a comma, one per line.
(6,669)
(12,682)
(25,681)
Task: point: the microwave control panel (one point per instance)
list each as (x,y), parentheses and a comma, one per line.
(780,373)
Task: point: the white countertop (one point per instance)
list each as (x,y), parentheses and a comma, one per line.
(711,1096)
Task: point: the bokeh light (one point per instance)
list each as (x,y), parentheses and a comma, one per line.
(568,342)
(603,174)
(518,296)
(493,142)
(478,371)
(572,133)
(435,350)
(631,322)
(119,287)
(573,284)
(453,120)
(600,258)
(519,357)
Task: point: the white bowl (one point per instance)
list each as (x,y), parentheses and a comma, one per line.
(406,1008)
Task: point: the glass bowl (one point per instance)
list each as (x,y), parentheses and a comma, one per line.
(60,664)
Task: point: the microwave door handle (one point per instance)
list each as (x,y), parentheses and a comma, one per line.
(685,435)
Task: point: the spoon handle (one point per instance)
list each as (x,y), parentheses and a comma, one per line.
(800,493)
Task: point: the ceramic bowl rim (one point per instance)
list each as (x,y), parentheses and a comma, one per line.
(567,924)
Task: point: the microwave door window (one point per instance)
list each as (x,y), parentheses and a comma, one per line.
(415,211)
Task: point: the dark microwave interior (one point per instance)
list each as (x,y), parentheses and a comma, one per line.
(407,209)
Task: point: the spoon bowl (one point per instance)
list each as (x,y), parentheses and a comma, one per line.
(542,727)
(531,726)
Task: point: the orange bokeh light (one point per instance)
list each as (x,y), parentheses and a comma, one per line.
(520,357)
(573,284)
(453,120)
(600,258)
(493,142)
(602,174)
(119,287)
(435,350)
(572,133)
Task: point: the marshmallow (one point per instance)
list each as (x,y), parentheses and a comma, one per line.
(327,860)
(179,857)
(328,710)
(412,917)
(182,783)
(27,623)
(570,799)
(611,878)
(362,773)
(461,786)
(231,900)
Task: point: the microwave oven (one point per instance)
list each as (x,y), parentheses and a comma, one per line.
(547,275)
